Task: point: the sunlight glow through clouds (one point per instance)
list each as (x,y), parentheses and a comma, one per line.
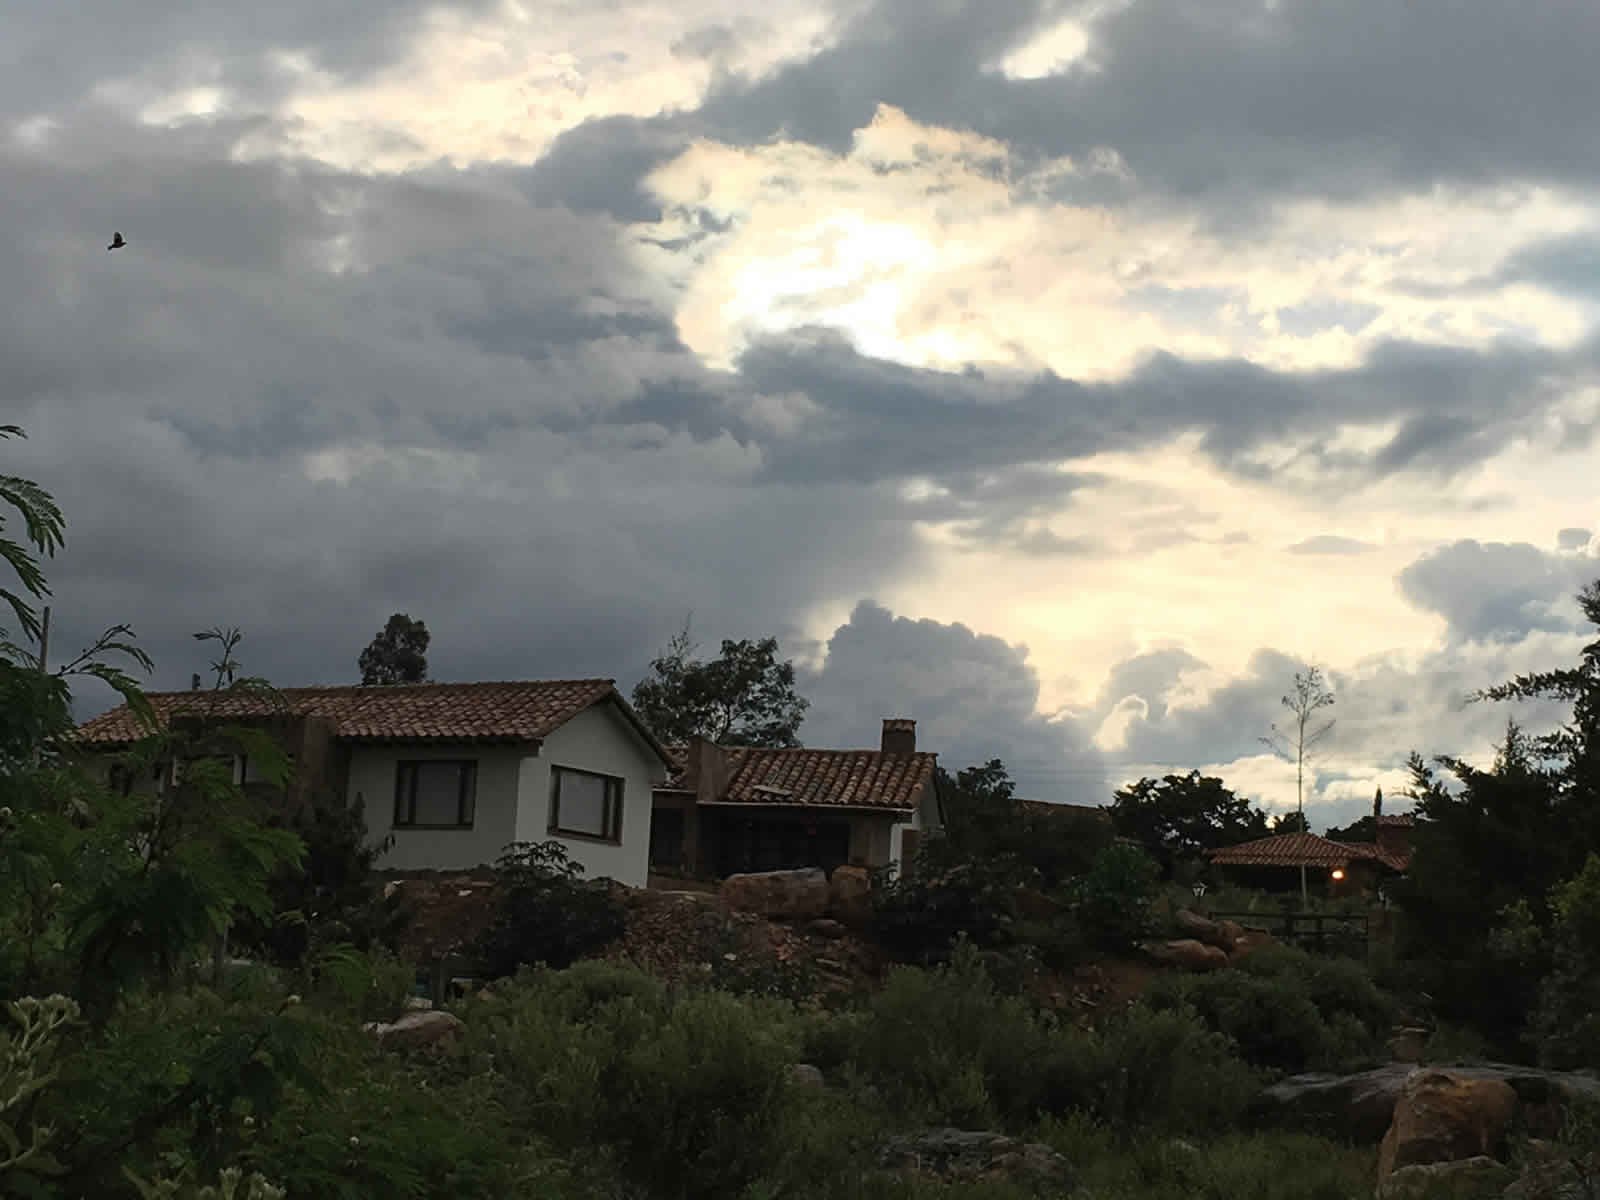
(931,247)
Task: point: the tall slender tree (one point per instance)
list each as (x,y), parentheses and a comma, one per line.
(1297,743)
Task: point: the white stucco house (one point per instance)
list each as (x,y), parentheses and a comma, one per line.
(449,774)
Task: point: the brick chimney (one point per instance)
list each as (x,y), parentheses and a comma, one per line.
(707,769)
(899,736)
(1394,837)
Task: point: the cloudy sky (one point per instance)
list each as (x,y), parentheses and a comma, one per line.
(1065,376)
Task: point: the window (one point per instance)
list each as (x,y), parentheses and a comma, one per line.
(585,804)
(437,794)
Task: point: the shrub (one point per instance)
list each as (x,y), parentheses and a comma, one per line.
(548,916)
(682,1091)
(945,1046)
(1263,1166)
(1286,1009)
(1163,1070)
(1566,1024)
(1112,900)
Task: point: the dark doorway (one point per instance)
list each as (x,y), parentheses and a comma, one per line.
(666,838)
(744,843)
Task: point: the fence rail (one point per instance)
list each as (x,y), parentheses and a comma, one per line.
(1311,930)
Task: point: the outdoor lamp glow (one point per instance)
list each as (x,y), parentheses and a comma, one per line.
(1338,873)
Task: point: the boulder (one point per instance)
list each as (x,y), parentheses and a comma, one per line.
(1476,1178)
(1188,954)
(1355,1108)
(826,927)
(1360,1107)
(1408,1044)
(1248,942)
(1231,932)
(425,1030)
(1201,929)
(788,895)
(805,1075)
(971,1156)
(1442,1116)
(850,894)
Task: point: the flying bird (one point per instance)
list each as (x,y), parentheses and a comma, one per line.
(116,242)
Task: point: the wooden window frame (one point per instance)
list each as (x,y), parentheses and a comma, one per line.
(611,813)
(405,792)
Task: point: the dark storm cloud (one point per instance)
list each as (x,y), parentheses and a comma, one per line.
(974,697)
(1228,99)
(535,465)
(882,420)
(1497,591)
(55,54)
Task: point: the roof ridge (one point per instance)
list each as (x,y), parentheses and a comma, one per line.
(375,688)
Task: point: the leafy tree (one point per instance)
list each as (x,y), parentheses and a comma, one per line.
(1299,741)
(1485,856)
(1567,1020)
(1294,822)
(1364,830)
(1179,817)
(743,697)
(398,654)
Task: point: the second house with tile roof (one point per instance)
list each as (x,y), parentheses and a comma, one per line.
(448,773)
(730,809)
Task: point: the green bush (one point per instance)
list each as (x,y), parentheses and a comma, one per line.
(548,916)
(1112,900)
(944,1046)
(1286,1009)
(681,1091)
(1275,1166)
(1162,1070)
(1566,1024)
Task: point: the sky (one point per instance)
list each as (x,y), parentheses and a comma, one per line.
(1064,376)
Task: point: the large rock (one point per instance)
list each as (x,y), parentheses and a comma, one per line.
(1360,1107)
(425,1030)
(1204,929)
(1442,1116)
(789,895)
(970,1156)
(850,894)
(1188,954)
(1476,1178)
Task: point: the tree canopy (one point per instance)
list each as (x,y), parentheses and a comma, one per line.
(744,697)
(1178,817)
(398,654)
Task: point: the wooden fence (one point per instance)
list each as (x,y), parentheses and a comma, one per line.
(1346,933)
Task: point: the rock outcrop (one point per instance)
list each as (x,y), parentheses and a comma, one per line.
(850,895)
(781,895)
(1477,1178)
(1441,1116)
(1187,954)
(972,1156)
(418,1030)
(1360,1107)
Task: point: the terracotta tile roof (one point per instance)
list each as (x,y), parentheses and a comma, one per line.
(1303,849)
(817,778)
(437,712)
(1048,808)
